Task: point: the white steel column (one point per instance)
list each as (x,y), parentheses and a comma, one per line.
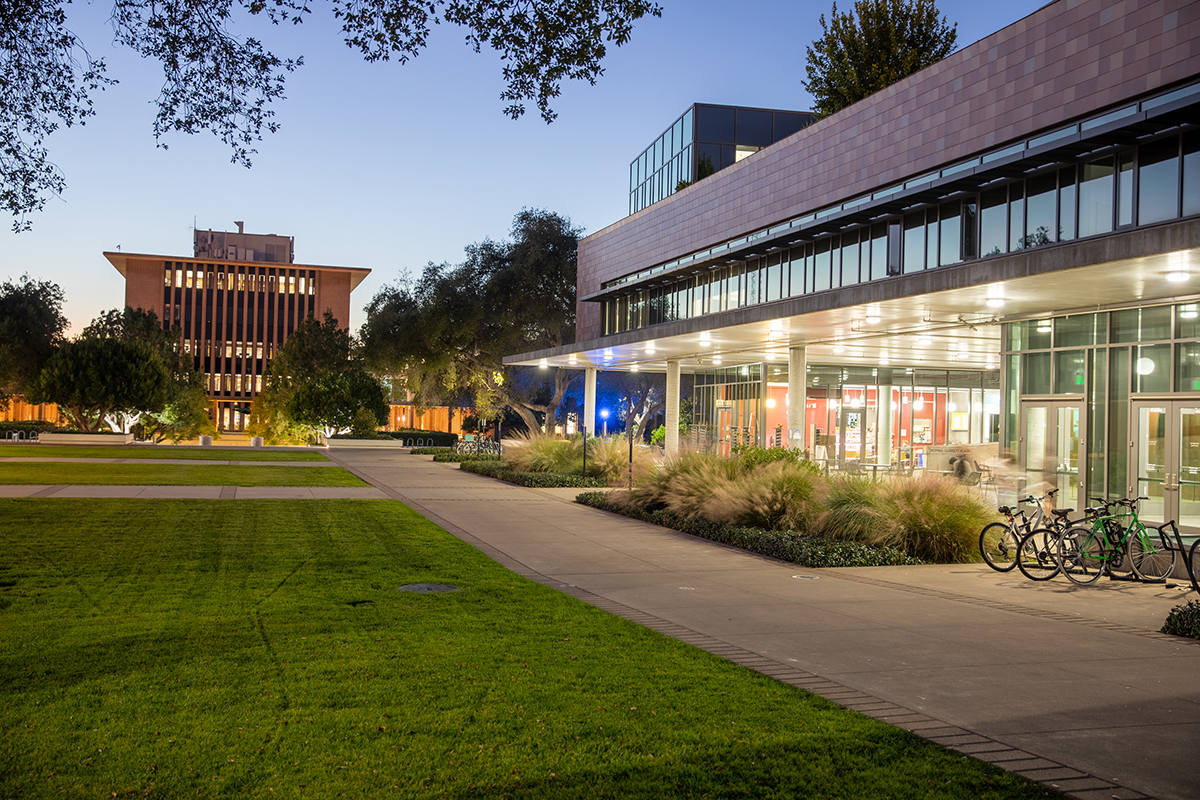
(883,425)
(671,440)
(589,401)
(797,381)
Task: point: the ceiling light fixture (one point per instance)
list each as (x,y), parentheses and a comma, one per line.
(1178,276)
(995,302)
(872,320)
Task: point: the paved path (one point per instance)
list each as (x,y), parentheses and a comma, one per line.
(1066,685)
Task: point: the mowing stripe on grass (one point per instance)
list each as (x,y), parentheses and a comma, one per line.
(57,473)
(171,648)
(160,451)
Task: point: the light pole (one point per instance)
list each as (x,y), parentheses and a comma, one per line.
(604,417)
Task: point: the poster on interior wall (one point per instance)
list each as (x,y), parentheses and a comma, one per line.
(958,421)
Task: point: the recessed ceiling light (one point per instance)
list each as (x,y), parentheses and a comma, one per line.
(633,368)
(839,349)
(924,340)
(1178,276)
(717,360)
(995,302)
(871,320)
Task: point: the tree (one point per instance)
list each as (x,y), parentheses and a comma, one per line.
(92,378)
(333,402)
(31,327)
(215,80)
(449,331)
(185,413)
(316,382)
(872,47)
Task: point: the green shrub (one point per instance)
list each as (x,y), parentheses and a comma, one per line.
(431,438)
(932,517)
(500,470)
(752,456)
(803,549)
(1184,620)
(431,451)
(451,457)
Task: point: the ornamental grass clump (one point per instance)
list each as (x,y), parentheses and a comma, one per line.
(608,461)
(932,517)
(683,484)
(782,495)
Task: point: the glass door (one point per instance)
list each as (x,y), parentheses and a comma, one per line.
(1165,453)
(1051,450)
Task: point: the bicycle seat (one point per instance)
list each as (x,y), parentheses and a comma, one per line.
(1062,512)
(1005,509)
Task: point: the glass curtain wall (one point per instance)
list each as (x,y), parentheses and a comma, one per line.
(855,417)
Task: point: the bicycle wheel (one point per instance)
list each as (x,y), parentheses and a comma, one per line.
(1151,561)
(1081,554)
(1037,555)
(998,545)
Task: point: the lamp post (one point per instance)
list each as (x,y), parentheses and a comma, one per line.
(604,417)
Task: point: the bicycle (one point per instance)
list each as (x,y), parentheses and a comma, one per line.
(1037,552)
(998,541)
(1086,552)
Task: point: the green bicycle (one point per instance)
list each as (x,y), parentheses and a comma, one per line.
(1119,544)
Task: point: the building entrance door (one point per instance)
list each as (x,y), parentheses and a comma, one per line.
(1051,450)
(1164,452)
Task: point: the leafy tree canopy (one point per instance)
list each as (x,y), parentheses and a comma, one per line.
(872,47)
(185,414)
(31,327)
(332,402)
(316,382)
(91,378)
(218,81)
(449,331)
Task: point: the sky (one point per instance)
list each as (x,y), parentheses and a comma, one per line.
(389,166)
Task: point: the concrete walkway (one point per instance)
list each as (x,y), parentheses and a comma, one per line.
(1070,686)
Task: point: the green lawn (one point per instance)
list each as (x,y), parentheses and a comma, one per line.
(160,451)
(261,649)
(71,472)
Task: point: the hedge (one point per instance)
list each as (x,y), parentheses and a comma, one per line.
(803,549)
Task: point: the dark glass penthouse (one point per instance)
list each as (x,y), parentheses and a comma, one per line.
(705,139)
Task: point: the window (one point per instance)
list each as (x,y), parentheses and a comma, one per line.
(1158,181)
(993,222)
(1096,198)
(914,242)
(1066,204)
(1040,226)
(951,234)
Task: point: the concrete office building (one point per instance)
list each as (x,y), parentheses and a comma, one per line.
(1000,253)
(236,301)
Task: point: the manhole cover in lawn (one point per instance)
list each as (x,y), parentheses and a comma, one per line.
(428,588)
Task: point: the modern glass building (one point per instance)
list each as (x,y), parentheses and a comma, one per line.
(705,139)
(1007,267)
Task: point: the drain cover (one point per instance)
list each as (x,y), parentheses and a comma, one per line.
(428,588)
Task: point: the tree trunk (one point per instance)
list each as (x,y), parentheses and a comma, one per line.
(528,417)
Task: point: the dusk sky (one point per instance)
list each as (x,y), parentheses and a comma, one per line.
(389,167)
